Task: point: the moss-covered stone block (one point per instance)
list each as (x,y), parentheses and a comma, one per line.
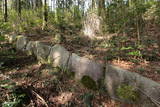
(89,82)
(127,93)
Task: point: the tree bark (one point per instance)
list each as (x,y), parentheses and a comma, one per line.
(19,8)
(45,15)
(5,11)
(93,4)
(101,8)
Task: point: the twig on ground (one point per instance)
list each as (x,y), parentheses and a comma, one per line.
(38,96)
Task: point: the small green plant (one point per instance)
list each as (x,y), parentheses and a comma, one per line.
(128,93)
(10,104)
(65,71)
(89,82)
(2,38)
(5,27)
(17,98)
(7,84)
(135,53)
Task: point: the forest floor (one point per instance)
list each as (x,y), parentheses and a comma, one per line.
(97,50)
(47,87)
(24,82)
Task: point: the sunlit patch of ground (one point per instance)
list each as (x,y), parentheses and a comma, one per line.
(149,69)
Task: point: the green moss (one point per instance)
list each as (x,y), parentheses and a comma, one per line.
(128,93)
(2,38)
(89,82)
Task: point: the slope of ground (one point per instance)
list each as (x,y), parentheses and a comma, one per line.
(23,82)
(146,63)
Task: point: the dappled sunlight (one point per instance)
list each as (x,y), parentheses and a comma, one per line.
(56,58)
(85,67)
(148,69)
(63,98)
(124,64)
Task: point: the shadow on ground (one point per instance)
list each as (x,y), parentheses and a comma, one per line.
(12,59)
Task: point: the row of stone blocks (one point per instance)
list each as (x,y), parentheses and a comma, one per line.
(113,76)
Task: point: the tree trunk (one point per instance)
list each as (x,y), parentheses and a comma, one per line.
(19,8)
(5,11)
(101,8)
(38,3)
(45,15)
(93,4)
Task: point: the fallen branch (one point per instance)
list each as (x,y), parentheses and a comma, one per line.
(38,96)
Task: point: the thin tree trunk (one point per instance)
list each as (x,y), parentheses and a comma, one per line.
(19,8)
(101,8)
(93,4)
(45,15)
(5,11)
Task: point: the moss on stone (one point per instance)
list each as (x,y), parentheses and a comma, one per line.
(89,82)
(128,93)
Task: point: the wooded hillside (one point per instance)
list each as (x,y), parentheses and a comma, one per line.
(90,35)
